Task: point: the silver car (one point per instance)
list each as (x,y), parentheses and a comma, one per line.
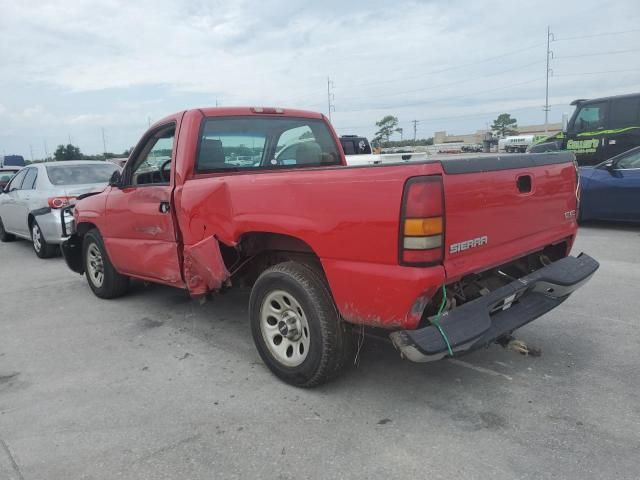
(32,204)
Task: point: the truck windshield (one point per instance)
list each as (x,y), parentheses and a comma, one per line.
(590,117)
(237,143)
(80,174)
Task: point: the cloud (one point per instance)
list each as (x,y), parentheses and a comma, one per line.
(115,63)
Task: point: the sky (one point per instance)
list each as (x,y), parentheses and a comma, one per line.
(96,73)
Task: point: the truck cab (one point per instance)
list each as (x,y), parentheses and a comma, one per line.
(599,129)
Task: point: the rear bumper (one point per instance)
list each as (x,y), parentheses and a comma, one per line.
(479,322)
(53,223)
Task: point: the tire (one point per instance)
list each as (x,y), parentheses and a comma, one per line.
(4,236)
(103,279)
(296,326)
(40,245)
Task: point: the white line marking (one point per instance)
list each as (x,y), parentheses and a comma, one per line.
(488,371)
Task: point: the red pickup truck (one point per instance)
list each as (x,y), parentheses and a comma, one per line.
(448,256)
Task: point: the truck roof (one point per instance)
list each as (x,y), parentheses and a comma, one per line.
(248,111)
(612,97)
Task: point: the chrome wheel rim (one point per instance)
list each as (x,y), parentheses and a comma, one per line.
(95,265)
(36,237)
(284,328)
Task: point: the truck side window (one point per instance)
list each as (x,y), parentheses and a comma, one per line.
(591,117)
(240,143)
(625,113)
(153,166)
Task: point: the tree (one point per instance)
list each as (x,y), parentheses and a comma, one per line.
(68,152)
(387,126)
(505,125)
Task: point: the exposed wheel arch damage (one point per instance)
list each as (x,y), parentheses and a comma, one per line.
(72,247)
(209,264)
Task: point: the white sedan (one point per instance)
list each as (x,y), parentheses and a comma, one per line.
(31,204)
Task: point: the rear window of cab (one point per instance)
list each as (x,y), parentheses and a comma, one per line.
(243,143)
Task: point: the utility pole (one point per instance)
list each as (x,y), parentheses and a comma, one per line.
(46,152)
(550,38)
(69,135)
(415,128)
(330,97)
(31,150)
(104,144)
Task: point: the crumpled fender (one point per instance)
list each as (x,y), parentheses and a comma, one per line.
(203,267)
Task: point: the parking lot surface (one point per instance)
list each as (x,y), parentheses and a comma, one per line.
(156,386)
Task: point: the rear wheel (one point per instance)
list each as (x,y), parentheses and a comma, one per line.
(4,236)
(296,327)
(40,245)
(103,279)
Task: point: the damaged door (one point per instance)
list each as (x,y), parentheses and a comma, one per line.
(140,234)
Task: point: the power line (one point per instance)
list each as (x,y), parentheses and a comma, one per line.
(597,73)
(470,94)
(615,52)
(603,34)
(330,84)
(453,67)
(492,74)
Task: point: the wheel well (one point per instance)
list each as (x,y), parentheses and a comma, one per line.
(83,228)
(257,251)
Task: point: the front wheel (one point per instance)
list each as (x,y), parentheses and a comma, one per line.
(103,279)
(40,245)
(296,327)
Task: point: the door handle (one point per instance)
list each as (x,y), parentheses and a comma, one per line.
(164,207)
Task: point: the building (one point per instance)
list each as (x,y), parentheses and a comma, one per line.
(480,135)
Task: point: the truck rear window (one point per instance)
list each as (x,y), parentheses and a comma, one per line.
(80,174)
(239,143)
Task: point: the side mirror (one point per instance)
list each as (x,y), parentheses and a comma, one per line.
(116,179)
(609,166)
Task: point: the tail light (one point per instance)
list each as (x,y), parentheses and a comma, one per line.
(60,202)
(422,222)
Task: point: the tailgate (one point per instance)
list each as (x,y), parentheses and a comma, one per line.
(500,208)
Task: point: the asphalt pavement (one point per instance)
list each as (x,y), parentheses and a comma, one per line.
(156,386)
